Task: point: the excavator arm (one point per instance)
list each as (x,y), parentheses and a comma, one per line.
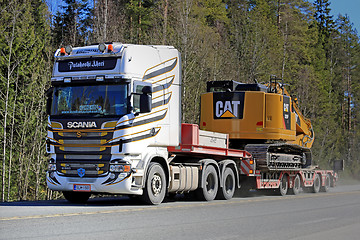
(304,130)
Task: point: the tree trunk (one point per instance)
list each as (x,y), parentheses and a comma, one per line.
(166,6)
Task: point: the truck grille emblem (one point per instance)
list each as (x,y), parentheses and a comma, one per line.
(81,172)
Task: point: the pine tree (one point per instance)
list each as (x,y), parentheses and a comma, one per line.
(24,68)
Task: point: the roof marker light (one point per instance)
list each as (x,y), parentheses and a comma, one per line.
(102,47)
(62,51)
(68,49)
(110,48)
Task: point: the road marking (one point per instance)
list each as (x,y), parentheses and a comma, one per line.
(316,221)
(198,204)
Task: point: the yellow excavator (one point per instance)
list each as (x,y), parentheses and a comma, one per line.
(263,119)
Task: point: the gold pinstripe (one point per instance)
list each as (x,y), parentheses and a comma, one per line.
(167,103)
(126,135)
(162,95)
(96,145)
(172,76)
(146,123)
(159,65)
(140,116)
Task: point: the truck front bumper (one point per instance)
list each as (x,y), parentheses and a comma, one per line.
(118,184)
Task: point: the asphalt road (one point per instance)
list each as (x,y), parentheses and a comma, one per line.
(332,215)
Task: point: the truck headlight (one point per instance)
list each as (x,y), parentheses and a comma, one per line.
(51,167)
(120,168)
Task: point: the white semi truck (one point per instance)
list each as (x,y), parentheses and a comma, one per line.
(114,126)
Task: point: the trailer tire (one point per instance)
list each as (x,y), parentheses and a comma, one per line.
(284,185)
(76,197)
(155,185)
(317,184)
(211,185)
(228,182)
(296,186)
(327,184)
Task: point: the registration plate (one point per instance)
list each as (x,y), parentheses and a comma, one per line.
(82,187)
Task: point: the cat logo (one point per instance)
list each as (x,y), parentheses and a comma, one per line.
(227,109)
(228,105)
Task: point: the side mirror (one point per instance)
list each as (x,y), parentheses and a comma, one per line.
(145,103)
(146,100)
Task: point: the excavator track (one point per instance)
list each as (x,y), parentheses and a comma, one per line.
(280,156)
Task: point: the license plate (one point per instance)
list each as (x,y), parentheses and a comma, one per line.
(82,187)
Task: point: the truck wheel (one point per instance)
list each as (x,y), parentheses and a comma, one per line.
(283,188)
(317,184)
(297,186)
(210,189)
(155,185)
(77,197)
(326,186)
(228,181)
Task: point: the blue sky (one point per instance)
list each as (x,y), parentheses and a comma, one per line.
(349,7)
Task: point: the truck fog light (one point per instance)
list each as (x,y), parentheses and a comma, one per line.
(112,175)
(122,175)
(52,174)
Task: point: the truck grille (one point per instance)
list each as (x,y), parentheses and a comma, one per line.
(83,152)
(83,169)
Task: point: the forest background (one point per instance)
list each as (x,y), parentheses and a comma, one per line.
(316,54)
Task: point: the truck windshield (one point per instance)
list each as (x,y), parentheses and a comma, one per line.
(95,100)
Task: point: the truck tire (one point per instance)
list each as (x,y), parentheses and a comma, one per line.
(284,185)
(77,197)
(297,186)
(317,184)
(327,183)
(155,185)
(228,182)
(211,185)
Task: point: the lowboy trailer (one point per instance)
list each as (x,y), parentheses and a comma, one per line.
(114,127)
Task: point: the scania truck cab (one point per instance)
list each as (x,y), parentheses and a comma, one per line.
(113,109)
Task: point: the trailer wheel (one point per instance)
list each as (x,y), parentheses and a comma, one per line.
(297,186)
(155,185)
(326,186)
(317,184)
(210,189)
(77,197)
(228,181)
(283,188)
